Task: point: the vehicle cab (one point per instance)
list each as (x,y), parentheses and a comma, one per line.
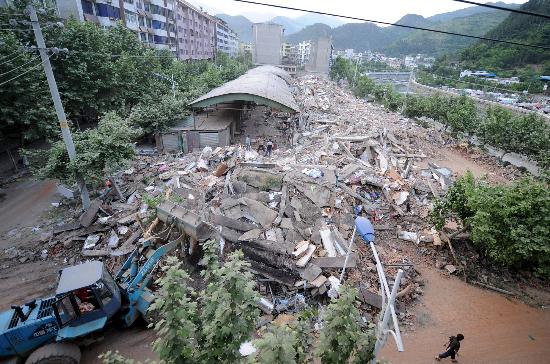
(86,298)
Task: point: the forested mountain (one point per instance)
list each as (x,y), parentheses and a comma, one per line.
(399,41)
(472,10)
(519,28)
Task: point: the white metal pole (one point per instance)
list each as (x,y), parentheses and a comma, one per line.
(65,131)
(348,254)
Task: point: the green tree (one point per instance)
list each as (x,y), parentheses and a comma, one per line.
(344,336)
(177,329)
(509,223)
(100,152)
(159,115)
(340,70)
(229,311)
(278,345)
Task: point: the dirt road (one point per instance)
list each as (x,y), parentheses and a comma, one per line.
(496,329)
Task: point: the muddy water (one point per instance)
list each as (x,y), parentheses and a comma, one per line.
(496,329)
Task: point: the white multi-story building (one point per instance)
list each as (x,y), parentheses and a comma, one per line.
(304,51)
(226,39)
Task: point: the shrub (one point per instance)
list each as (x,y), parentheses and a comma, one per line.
(344,337)
(510,224)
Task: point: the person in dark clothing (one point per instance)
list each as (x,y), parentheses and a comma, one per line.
(452,348)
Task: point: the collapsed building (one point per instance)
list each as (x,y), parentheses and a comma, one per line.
(218,115)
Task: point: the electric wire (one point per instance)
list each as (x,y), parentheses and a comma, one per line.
(398,25)
(22,65)
(24,73)
(13,59)
(496,7)
(9,55)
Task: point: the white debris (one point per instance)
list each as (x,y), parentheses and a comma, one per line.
(91,241)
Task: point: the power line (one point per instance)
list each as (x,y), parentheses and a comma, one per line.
(519,11)
(398,25)
(9,55)
(21,74)
(11,60)
(23,65)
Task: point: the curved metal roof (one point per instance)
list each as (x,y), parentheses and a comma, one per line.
(264,85)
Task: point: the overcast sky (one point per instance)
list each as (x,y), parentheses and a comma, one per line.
(382,10)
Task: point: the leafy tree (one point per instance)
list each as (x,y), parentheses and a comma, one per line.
(510,224)
(344,337)
(111,357)
(340,70)
(278,345)
(229,311)
(18,119)
(158,116)
(99,152)
(177,330)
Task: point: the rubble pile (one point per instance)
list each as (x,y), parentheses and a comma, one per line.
(292,214)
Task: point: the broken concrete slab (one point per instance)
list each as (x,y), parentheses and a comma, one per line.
(302,262)
(310,272)
(66,227)
(233,223)
(250,235)
(335,262)
(185,220)
(319,281)
(371,298)
(263,214)
(89,215)
(300,249)
(286,223)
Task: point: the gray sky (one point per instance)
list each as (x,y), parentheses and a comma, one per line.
(382,10)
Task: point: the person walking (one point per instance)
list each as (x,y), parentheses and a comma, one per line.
(247,142)
(452,348)
(269,148)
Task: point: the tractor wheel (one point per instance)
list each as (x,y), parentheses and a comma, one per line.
(56,353)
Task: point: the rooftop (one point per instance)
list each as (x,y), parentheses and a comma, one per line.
(264,85)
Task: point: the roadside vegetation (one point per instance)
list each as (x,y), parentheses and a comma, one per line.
(209,326)
(509,224)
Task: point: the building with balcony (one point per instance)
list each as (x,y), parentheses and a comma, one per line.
(226,39)
(196,32)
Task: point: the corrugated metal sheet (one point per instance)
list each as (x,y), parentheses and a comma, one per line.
(170,142)
(209,139)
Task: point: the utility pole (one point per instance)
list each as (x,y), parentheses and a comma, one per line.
(67,137)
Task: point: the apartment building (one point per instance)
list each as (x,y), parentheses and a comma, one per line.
(226,39)
(196,32)
(186,30)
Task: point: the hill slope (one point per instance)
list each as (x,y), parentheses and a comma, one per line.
(519,28)
(472,10)
(240,25)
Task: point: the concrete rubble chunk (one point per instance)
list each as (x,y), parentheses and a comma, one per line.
(302,262)
(319,281)
(335,262)
(407,235)
(301,249)
(328,243)
(263,214)
(233,223)
(88,217)
(310,272)
(450,268)
(250,235)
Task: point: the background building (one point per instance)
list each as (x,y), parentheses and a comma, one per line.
(226,39)
(196,32)
(267,43)
(320,56)
(304,50)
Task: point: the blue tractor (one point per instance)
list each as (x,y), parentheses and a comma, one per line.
(49,330)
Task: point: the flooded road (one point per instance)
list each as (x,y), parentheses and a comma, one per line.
(497,329)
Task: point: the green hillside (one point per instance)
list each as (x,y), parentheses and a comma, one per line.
(519,28)
(419,41)
(399,41)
